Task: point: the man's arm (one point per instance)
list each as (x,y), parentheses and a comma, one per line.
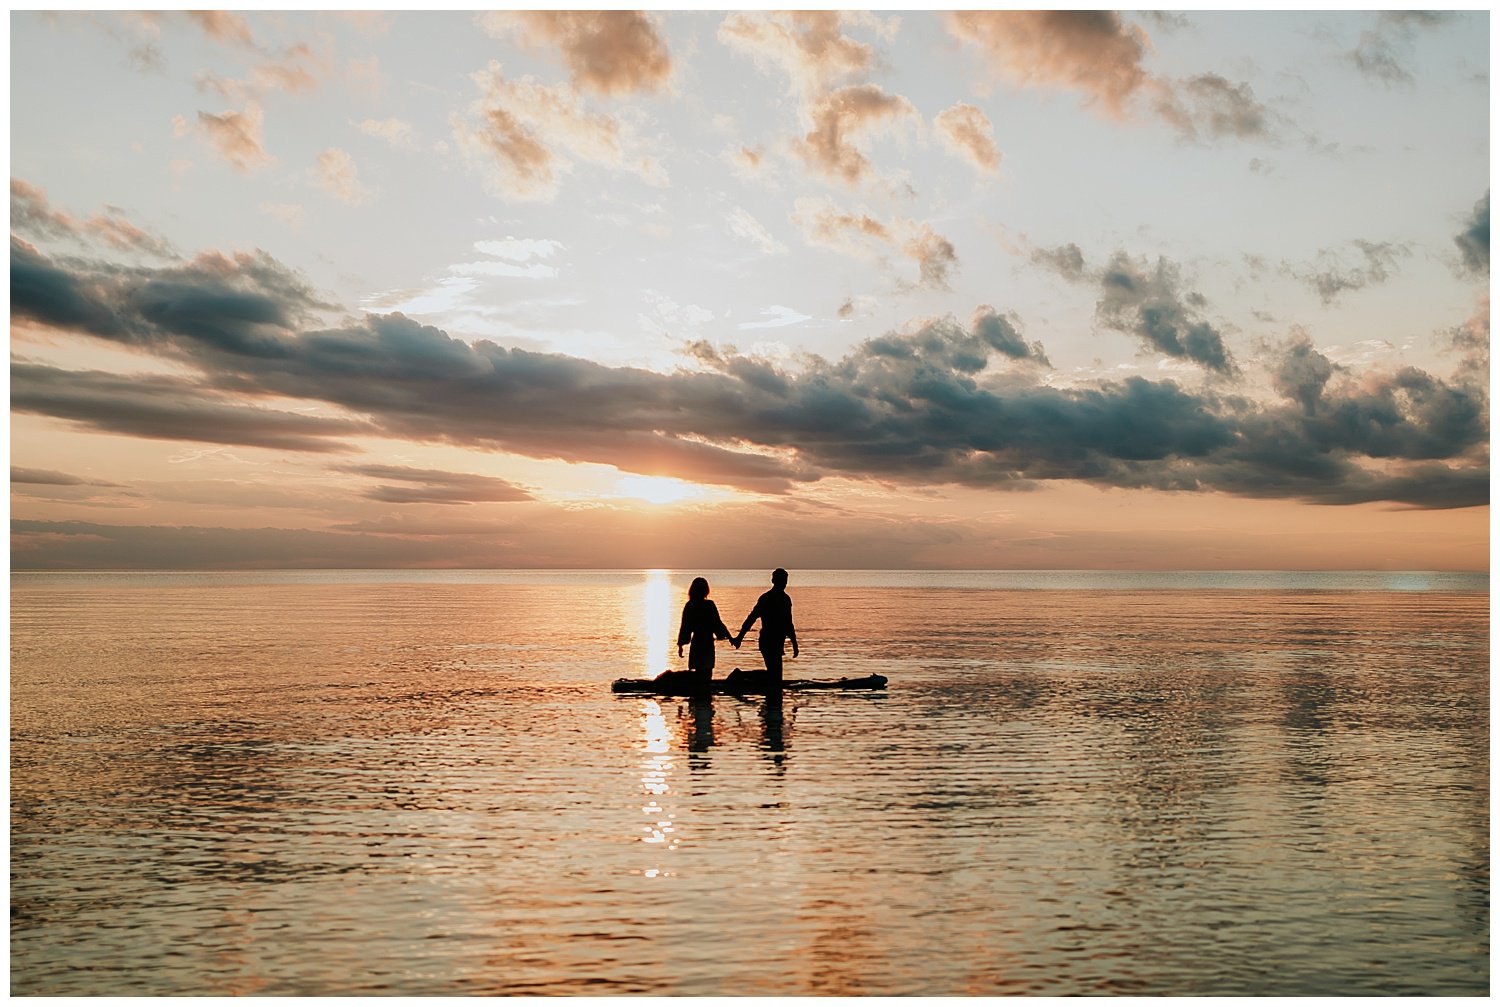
(749,621)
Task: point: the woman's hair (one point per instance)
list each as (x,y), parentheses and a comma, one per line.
(698,589)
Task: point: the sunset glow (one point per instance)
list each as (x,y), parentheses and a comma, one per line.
(662,490)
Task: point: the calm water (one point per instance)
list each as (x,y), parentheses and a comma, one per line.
(377,783)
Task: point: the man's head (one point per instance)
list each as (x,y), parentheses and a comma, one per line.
(778,577)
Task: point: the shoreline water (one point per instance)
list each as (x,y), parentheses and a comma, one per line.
(1020,580)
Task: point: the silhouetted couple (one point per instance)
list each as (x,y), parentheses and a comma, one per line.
(701,626)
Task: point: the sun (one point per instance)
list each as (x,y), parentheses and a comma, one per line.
(662,489)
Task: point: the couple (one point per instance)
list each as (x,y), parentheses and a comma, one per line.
(701,625)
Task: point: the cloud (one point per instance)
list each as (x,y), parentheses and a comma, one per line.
(1472,341)
(744,225)
(222,26)
(290,214)
(809,46)
(396,132)
(934,256)
(1332,277)
(1099,55)
(364,75)
(31,213)
(147,58)
(434,486)
(1095,52)
(521,134)
(1474,240)
(1000,333)
(840,116)
(819,59)
(777,316)
(235,135)
(172,409)
(861,235)
(825,224)
(48,477)
(70,490)
(1065,260)
(1210,104)
(747,161)
(338,176)
(968,133)
(512,257)
(298,70)
(1382,51)
(941,403)
(521,249)
(1302,373)
(608,52)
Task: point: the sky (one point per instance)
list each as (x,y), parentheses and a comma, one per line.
(1004,289)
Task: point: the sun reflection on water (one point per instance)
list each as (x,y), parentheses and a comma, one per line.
(656,771)
(656,621)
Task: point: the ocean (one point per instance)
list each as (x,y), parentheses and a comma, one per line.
(419,783)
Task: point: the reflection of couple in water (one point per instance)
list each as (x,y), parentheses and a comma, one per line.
(701,625)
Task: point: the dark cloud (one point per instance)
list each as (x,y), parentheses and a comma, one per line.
(434,486)
(47,477)
(242,304)
(167,408)
(1302,373)
(945,403)
(1474,240)
(1000,334)
(1332,275)
(1148,302)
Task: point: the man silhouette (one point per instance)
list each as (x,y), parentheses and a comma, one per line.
(774,610)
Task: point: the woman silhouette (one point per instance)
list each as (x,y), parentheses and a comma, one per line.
(700,624)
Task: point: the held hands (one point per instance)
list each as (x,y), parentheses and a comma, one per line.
(737,640)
